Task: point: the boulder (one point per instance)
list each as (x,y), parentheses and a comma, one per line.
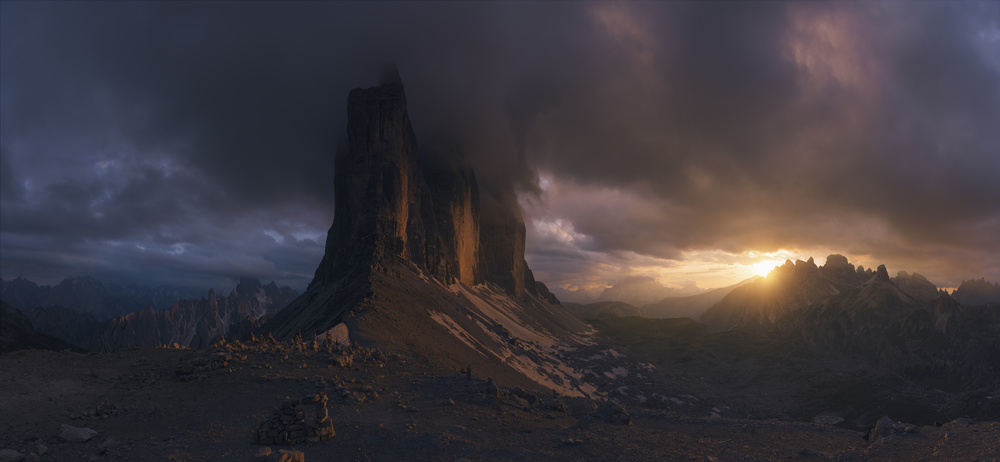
(76,434)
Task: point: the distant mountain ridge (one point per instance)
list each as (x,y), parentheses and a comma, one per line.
(88,295)
(903,323)
(789,287)
(977,292)
(193,323)
(601,310)
(691,306)
(642,290)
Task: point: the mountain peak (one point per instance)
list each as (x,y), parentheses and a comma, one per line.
(417,258)
(882,274)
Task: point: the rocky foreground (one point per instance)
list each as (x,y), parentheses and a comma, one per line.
(308,401)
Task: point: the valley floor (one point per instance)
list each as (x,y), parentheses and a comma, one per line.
(179,404)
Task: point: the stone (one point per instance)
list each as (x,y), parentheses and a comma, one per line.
(10,455)
(262,454)
(76,434)
(338,334)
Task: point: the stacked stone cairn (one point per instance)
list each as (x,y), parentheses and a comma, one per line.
(298,421)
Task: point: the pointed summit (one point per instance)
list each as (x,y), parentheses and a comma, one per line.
(882,274)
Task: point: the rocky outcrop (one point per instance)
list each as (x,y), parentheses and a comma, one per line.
(977,292)
(193,323)
(420,257)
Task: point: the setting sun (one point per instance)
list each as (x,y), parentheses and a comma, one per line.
(764,267)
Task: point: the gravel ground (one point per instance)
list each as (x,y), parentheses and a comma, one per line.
(180,404)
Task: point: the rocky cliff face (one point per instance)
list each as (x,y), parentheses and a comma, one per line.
(419,257)
(396,206)
(192,323)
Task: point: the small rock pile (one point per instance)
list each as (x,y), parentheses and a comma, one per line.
(887,428)
(298,421)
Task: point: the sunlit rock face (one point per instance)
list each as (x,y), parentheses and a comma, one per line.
(394,205)
(419,257)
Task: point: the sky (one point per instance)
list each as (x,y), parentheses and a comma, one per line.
(192,143)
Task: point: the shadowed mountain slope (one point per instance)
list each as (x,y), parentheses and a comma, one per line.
(17,333)
(692,306)
(63,323)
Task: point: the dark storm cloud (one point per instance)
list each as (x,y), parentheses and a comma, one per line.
(864,127)
(663,127)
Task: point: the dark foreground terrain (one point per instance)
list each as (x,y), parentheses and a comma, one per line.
(182,404)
